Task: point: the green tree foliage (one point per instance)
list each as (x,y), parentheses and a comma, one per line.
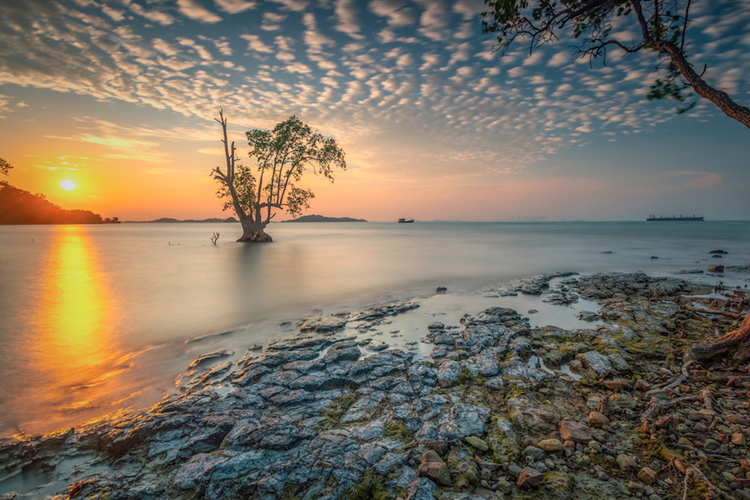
(281,157)
(663,26)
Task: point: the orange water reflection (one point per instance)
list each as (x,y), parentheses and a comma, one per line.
(74,325)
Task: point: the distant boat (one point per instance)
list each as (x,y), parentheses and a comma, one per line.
(404,221)
(675,218)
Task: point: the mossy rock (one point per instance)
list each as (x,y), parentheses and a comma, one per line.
(557,482)
(371,488)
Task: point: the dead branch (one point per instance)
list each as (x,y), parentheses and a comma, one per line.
(680,379)
(714,311)
(656,407)
(691,470)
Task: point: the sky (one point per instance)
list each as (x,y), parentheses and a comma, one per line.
(119,96)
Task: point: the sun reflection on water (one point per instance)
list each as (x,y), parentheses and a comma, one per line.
(74,324)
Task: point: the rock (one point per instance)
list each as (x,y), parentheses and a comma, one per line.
(622,401)
(654,257)
(597,420)
(441,289)
(711,445)
(530,478)
(532,311)
(430,456)
(477,443)
(504,486)
(421,489)
(738,439)
(597,362)
(647,476)
(448,372)
(533,452)
(617,384)
(642,385)
(626,463)
(716,269)
(436,471)
(205,358)
(685,442)
(551,445)
(718,252)
(656,393)
(514,470)
(573,431)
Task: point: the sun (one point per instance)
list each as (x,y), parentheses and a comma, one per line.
(67,185)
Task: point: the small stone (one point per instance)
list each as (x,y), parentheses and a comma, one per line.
(647,475)
(436,471)
(728,476)
(622,401)
(533,452)
(477,443)
(635,487)
(594,447)
(514,470)
(684,442)
(504,486)
(573,431)
(626,463)
(529,478)
(711,445)
(551,445)
(485,484)
(430,456)
(597,420)
(617,384)
(642,385)
(656,393)
(738,439)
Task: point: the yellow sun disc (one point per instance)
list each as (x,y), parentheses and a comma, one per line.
(67,185)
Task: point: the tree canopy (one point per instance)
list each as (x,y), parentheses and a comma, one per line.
(281,156)
(5,167)
(663,27)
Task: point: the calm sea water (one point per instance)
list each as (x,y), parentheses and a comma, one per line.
(97,318)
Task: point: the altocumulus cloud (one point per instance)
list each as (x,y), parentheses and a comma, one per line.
(360,69)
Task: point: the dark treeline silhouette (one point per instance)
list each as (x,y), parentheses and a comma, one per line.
(21,207)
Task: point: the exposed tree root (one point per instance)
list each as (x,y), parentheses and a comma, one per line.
(691,470)
(729,314)
(739,338)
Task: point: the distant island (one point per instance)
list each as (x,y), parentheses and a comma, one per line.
(22,207)
(165,220)
(321,218)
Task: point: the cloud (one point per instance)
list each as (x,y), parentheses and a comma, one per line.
(254,43)
(272,21)
(396,11)
(433,20)
(165,48)
(346,13)
(235,6)
(469,9)
(559,59)
(295,5)
(152,15)
(194,10)
(127,149)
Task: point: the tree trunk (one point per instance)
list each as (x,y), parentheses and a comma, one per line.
(721,99)
(739,338)
(253,232)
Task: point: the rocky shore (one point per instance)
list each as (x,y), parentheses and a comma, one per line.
(499,409)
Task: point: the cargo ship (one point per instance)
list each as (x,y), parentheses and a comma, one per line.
(404,221)
(674,218)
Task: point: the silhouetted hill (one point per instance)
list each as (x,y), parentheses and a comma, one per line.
(21,207)
(321,218)
(169,219)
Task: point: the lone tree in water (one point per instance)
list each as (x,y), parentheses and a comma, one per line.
(282,155)
(662,25)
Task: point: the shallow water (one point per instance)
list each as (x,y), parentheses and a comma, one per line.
(96,318)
